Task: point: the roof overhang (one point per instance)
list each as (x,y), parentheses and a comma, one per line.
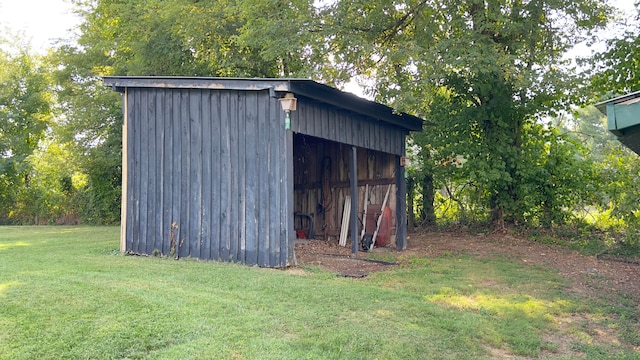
(301,87)
(623,118)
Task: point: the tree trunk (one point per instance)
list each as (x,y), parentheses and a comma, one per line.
(428,211)
(411,217)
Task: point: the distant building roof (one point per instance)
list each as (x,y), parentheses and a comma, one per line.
(602,106)
(623,118)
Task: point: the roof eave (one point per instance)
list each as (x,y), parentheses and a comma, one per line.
(302,87)
(602,106)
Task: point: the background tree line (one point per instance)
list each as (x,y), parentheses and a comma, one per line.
(509,138)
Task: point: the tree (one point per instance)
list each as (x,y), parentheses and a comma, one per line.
(25,113)
(616,70)
(482,73)
(90,128)
(241,38)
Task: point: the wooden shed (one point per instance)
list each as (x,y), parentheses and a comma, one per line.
(214,168)
(623,118)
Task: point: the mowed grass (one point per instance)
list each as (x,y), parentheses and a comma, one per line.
(66,292)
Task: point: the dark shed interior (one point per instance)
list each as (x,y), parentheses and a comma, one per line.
(321,183)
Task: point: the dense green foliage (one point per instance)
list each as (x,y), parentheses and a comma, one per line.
(67,293)
(490,78)
(199,38)
(25,113)
(483,74)
(617,69)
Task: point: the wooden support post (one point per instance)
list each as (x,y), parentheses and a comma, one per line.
(125,178)
(353,174)
(291,232)
(401,207)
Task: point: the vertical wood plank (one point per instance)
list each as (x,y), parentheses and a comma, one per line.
(216,133)
(167,173)
(134,166)
(195,173)
(151,150)
(158,169)
(242,157)
(183,244)
(251,189)
(324,122)
(362,163)
(125,171)
(387,135)
(264,203)
(225,176)
(317,120)
(300,125)
(209,159)
(137,171)
(275,169)
(232,116)
(382,163)
(288,233)
(332,131)
(401,207)
(353,175)
(175,173)
(144,170)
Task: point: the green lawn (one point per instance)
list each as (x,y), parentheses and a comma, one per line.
(66,292)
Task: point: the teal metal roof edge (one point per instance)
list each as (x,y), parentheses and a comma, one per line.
(602,106)
(623,118)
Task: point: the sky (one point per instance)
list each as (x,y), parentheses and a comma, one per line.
(40,21)
(43,21)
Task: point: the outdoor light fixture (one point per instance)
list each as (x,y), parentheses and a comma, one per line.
(288,103)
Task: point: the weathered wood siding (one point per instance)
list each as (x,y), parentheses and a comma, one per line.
(208,175)
(346,127)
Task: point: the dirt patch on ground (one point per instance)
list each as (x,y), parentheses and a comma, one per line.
(588,276)
(329,255)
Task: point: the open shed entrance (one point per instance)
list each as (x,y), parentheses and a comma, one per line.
(322,185)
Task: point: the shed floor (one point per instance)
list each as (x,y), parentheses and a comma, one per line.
(328,254)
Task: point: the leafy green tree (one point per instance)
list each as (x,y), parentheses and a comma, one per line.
(90,128)
(616,70)
(620,179)
(241,38)
(482,73)
(55,179)
(25,113)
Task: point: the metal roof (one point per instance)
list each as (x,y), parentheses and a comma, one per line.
(623,118)
(602,106)
(303,87)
